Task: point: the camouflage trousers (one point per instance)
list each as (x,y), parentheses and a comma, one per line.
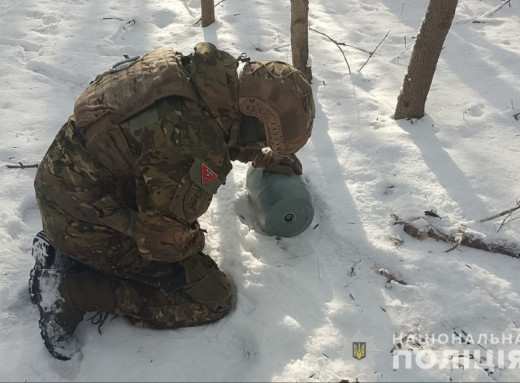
(194,293)
(167,295)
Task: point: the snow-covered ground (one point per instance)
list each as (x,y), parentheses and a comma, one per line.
(301,301)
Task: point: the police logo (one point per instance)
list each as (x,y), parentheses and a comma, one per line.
(359,350)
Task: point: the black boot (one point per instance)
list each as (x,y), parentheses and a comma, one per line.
(44,255)
(58,317)
(47,258)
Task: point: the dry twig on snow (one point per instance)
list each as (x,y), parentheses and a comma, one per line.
(21,166)
(507,213)
(459,237)
(112,18)
(337,44)
(491,12)
(374,51)
(480,19)
(423,227)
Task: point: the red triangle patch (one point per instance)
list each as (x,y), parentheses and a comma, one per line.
(208,175)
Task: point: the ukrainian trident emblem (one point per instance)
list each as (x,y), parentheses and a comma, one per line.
(359,350)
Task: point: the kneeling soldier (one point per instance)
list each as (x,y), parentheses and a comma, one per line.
(122,185)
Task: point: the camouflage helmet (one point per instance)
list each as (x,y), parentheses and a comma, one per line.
(280,96)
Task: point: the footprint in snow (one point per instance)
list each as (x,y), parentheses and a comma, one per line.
(163,18)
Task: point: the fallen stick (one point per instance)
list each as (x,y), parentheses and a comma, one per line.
(374,51)
(21,166)
(112,18)
(459,239)
(492,11)
(422,228)
(337,44)
(508,211)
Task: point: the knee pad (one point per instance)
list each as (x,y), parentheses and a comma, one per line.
(206,284)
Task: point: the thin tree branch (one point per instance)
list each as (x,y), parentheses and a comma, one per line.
(374,51)
(352,46)
(457,244)
(421,228)
(337,44)
(112,18)
(21,166)
(492,11)
(508,211)
(505,221)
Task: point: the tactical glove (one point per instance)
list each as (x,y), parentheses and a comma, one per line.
(277,163)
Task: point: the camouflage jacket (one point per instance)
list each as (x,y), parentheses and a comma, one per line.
(143,167)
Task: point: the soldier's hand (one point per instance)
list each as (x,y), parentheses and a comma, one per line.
(278,163)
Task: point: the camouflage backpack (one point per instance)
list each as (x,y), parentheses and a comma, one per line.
(135,84)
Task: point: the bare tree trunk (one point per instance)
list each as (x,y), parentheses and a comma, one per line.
(300,36)
(208,12)
(428,46)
